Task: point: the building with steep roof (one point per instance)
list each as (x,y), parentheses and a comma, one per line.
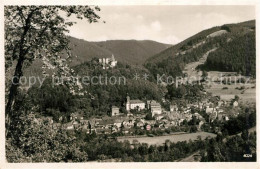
(155,108)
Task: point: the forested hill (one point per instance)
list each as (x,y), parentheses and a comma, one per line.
(173,60)
(239,55)
(132,52)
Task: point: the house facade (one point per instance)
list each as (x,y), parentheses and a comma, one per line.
(134,104)
(173,108)
(235,104)
(115,111)
(155,108)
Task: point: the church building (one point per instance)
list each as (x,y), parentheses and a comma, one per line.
(134,104)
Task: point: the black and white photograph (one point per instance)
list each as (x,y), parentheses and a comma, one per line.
(125,83)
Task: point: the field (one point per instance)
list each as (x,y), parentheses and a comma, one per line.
(227,92)
(160,140)
(249,94)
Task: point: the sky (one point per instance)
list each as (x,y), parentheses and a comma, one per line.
(165,24)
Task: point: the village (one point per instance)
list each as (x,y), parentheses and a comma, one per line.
(149,115)
(161,118)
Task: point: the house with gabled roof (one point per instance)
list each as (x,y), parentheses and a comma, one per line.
(115,111)
(155,108)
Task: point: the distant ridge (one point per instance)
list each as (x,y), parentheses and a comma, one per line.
(132,52)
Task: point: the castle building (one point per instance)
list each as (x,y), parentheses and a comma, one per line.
(108,62)
(134,104)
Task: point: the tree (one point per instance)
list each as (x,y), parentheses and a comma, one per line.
(204,75)
(35,140)
(225,27)
(149,116)
(236,98)
(38,32)
(214,152)
(193,129)
(224,59)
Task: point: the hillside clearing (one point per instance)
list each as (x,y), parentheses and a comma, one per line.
(248,94)
(217,33)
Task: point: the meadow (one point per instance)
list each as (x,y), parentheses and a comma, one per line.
(160,140)
(246,92)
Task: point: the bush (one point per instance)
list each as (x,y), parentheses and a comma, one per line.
(225,27)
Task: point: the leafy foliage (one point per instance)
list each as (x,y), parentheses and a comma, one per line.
(101,149)
(33,32)
(245,120)
(191,93)
(38,32)
(233,149)
(98,99)
(34,140)
(53,101)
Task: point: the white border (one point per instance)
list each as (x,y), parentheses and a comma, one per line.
(197,165)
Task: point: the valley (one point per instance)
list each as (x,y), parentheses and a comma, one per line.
(104,101)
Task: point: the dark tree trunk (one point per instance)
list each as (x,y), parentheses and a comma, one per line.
(13,93)
(17,75)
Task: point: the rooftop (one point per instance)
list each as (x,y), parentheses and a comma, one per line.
(154,103)
(135,101)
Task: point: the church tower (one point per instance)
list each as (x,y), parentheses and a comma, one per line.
(112,58)
(127,103)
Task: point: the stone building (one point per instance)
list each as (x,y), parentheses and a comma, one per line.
(108,62)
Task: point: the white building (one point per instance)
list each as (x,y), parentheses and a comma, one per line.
(134,104)
(209,110)
(155,108)
(115,111)
(108,62)
(173,108)
(235,104)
